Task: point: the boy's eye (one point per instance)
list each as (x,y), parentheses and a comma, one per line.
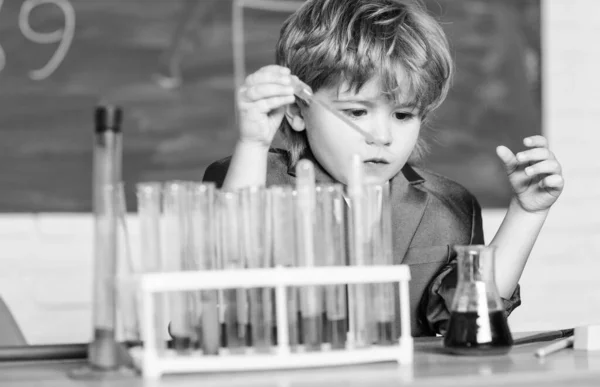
(403,116)
(355,112)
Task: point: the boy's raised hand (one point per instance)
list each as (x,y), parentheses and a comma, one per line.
(535,174)
(261,104)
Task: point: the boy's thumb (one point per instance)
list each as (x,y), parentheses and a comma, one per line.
(508,158)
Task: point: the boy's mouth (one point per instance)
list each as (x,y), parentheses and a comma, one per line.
(376,161)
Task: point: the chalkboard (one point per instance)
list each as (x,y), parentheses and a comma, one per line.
(59,58)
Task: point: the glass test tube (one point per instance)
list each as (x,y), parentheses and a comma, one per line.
(361,325)
(378,251)
(311,301)
(331,249)
(235,301)
(128,264)
(102,352)
(284,249)
(255,235)
(204,235)
(176,258)
(149,197)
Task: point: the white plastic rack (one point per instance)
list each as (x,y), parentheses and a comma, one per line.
(154,362)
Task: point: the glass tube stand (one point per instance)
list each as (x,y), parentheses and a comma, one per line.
(155,362)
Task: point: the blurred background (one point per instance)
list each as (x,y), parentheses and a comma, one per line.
(523,67)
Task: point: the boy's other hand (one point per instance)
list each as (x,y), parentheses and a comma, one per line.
(535,174)
(261,104)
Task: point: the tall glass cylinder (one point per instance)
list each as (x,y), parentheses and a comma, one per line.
(149,200)
(204,242)
(284,249)
(311,297)
(378,251)
(361,311)
(256,251)
(177,257)
(235,301)
(330,245)
(102,352)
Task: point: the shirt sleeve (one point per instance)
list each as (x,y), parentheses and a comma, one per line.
(436,303)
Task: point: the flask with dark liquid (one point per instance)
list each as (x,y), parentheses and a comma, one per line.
(478,324)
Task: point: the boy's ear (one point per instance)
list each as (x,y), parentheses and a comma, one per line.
(293,115)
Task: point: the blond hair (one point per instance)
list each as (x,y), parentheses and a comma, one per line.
(329,42)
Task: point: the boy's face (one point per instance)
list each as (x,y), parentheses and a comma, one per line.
(333,143)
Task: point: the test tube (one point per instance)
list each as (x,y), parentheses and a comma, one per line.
(284,249)
(234,301)
(149,198)
(176,255)
(128,265)
(103,351)
(311,301)
(361,324)
(378,251)
(205,257)
(255,236)
(331,249)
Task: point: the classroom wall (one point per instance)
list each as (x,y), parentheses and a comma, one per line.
(561,284)
(45,269)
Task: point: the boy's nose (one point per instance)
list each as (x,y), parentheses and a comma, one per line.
(381,133)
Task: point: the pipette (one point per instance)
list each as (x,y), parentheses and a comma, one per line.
(304,92)
(311,300)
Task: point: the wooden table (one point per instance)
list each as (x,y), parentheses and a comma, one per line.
(432,367)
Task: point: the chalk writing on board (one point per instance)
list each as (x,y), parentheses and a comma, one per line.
(63,36)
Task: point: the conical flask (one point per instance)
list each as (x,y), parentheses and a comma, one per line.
(478,324)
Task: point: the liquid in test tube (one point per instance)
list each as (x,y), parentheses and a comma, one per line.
(311,303)
(284,249)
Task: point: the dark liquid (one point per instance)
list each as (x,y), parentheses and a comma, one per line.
(386,333)
(312,334)
(337,333)
(463,328)
(182,343)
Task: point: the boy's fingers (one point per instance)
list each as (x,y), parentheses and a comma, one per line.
(536,141)
(269,104)
(554,182)
(544,167)
(267,90)
(535,154)
(508,158)
(269,75)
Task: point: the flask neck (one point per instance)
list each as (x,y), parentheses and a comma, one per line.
(476,264)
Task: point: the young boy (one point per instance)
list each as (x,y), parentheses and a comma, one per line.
(386,65)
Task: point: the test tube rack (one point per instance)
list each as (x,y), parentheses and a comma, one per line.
(154,362)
